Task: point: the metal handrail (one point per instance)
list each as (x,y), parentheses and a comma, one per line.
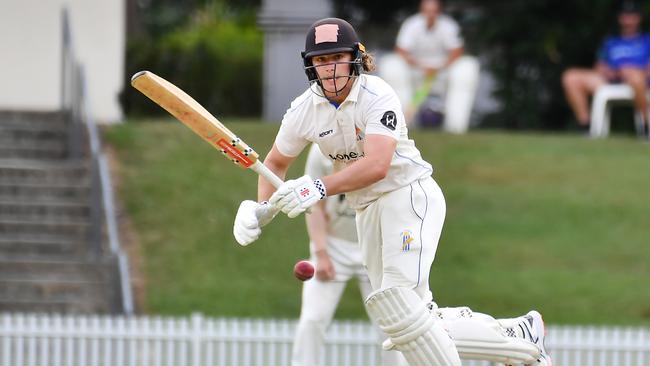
(74,103)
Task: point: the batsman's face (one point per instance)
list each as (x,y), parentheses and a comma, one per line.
(333,70)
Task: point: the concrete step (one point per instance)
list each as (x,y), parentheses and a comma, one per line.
(32,133)
(67,296)
(32,172)
(22,118)
(34,209)
(46,150)
(88,306)
(61,270)
(78,229)
(33,126)
(44,192)
(43,248)
(66,285)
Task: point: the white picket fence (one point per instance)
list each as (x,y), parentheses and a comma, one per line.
(52,340)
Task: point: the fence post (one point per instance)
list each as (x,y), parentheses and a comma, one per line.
(6,324)
(196,337)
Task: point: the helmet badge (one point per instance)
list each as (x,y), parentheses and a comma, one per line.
(326,33)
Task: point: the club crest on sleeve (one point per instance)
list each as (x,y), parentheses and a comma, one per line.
(389,120)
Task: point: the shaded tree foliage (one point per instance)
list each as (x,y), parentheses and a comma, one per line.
(214,48)
(211,49)
(159,17)
(528,44)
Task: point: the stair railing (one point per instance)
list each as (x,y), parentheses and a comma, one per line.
(75,105)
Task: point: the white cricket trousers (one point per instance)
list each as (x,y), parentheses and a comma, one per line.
(399,234)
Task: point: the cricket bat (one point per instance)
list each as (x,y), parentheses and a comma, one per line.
(419,97)
(198,119)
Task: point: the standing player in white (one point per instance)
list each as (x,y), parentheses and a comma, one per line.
(430,54)
(335,251)
(357,121)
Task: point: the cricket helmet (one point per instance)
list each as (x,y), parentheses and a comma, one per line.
(331,35)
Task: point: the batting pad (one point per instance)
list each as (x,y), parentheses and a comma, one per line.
(411,327)
(478,336)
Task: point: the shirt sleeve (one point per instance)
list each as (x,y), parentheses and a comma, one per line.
(405,36)
(452,36)
(316,165)
(385,116)
(288,141)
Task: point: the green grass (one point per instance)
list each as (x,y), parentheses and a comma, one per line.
(552,222)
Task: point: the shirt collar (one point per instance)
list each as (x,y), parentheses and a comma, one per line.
(352,97)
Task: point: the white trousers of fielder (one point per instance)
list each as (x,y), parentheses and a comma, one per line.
(320,300)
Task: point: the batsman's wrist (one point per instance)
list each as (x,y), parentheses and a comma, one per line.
(321,188)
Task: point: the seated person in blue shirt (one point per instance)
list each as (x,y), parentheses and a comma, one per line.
(623,58)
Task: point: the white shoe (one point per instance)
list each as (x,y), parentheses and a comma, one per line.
(534,325)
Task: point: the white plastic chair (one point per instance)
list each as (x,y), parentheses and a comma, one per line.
(601,107)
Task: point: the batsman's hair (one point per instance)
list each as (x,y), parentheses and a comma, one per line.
(368,62)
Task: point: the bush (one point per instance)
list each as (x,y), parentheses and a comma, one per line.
(216,59)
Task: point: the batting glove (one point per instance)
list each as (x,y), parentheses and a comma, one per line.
(294,197)
(251,217)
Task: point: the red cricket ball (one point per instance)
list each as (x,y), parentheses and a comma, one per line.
(303,270)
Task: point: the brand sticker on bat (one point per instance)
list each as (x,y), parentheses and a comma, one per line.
(234,153)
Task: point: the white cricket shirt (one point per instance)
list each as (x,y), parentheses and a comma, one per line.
(340,216)
(431,46)
(372,107)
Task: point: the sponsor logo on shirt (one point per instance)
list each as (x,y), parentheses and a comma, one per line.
(353,155)
(407,239)
(325,133)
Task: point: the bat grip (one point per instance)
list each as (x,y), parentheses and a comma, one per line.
(266,173)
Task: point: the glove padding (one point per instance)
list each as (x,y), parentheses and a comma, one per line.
(295,196)
(251,217)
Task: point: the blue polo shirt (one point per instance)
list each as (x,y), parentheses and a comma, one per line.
(618,51)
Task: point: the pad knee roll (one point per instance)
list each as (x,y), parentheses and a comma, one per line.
(411,327)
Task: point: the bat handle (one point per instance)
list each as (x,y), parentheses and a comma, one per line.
(266,173)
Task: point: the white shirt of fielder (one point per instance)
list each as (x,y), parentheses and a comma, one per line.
(430,46)
(372,107)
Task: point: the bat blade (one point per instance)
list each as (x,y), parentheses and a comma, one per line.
(192,114)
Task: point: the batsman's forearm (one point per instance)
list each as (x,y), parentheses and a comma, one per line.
(406,55)
(278,164)
(357,175)
(373,167)
(454,55)
(317,227)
